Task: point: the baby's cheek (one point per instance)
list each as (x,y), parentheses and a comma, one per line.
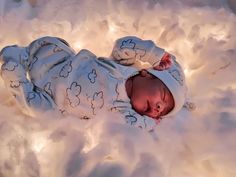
(137,106)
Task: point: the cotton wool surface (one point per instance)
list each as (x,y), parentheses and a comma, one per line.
(200,143)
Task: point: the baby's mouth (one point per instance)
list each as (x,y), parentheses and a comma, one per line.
(147,111)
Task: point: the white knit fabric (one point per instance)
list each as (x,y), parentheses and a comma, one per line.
(174,79)
(80,84)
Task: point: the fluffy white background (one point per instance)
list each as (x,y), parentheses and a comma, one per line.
(201,33)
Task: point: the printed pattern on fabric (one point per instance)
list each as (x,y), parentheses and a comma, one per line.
(117,91)
(48,89)
(10,66)
(128,50)
(42,43)
(12,69)
(57,49)
(92,76)
(73,93)
(66,70)
(134,119)
(15,84)
(97,102)
(131,119)
(15,72)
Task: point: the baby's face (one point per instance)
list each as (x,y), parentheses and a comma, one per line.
(149,96)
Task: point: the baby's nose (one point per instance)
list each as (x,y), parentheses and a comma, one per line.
(159,107)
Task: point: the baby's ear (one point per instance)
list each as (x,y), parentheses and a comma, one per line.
(165,63)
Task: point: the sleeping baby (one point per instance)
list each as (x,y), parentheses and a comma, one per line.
(49,75)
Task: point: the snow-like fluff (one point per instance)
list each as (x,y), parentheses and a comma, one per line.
(200,33)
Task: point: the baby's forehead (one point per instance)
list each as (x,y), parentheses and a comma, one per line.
(157,83)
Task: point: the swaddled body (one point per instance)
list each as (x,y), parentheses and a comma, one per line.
(76,84)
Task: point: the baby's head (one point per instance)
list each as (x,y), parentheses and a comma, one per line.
(157,93)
